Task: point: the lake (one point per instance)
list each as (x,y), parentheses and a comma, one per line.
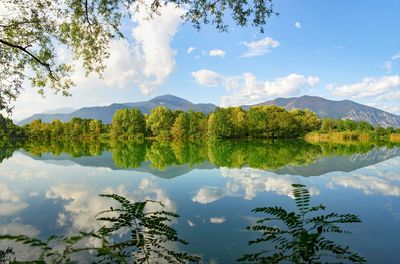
(52,188)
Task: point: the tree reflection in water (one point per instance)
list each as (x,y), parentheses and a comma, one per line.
(258,154)
(299,237)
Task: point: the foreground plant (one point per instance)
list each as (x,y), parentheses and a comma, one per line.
(145,237)
(300,236)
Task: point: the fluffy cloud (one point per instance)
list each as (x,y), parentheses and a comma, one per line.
(380,179)
(190,50)
(368,87)
(297,25)
(83,203)
(146,61)
(250,181)
(217,52)
(246,183)
(247,89)
(367,184)
(25,253)
(208,78)
(10,201)
(152,45)
(209,194)
(259,47)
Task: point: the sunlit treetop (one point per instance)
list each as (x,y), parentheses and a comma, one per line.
(30,31)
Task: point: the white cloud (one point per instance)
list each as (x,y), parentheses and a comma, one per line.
(297,24)
(247,183)
(217,220)
(247,89)
(259,47)
(84,203)
(209,194)
(367,184)
(152,45)
(396,56)
(190,50)
(25,253)
(368,87)
(251,181)
(147,62)
(208,78)
(380,179)
(122,67)
(10,201)
(217,52)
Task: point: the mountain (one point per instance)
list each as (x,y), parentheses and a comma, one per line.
(345,109)
(105,113)
(63,110)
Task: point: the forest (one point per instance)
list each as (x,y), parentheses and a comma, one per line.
(269,122)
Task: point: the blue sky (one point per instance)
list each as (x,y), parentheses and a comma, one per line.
(335,49)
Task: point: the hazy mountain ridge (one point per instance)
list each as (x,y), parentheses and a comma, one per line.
(105,113)
(345,109)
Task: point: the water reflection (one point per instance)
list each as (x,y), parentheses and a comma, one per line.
(171,159)
(55,193)
(141,232)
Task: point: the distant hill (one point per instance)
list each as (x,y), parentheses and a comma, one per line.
(105,113)
(345,109)
(63,110)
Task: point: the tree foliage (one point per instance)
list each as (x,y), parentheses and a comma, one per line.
(8,130)
(32,31)
(128,123)
(149,233)
(149,240)
(76,129)
(299,237)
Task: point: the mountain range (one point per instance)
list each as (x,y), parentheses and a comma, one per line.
(344,109)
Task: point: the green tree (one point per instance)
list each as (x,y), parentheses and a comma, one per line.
(180,128)
(8,130)
(227,123)
(160,122)
(198,123)
(128,123)
(95,127)
(326,125)
(31,31)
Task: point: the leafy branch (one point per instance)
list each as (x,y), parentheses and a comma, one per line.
(149,240)
(299,238)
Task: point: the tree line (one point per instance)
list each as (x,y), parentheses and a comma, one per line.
(270,122)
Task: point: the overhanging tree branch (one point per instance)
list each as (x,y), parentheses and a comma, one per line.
(25,50)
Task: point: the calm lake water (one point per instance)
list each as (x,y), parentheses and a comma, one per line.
(52,188)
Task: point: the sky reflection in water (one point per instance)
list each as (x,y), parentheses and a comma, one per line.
(40,196)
